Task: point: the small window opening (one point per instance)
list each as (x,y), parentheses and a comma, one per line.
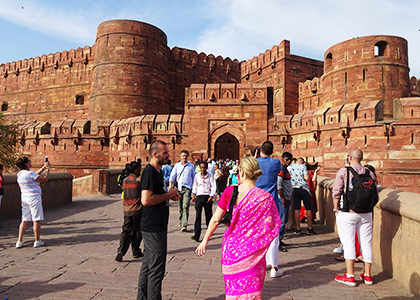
(412,139)
(381,48)
(412,112)
(330,142)
(365,140)
(80,99)
(4,106)
(364,75)
(328,59)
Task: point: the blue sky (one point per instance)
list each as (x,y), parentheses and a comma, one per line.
(231,28)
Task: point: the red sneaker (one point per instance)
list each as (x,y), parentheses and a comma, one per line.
(349,281)
(367,279)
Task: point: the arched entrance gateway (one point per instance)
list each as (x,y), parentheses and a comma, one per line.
(227,146)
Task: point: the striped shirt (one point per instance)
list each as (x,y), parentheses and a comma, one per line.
(132,196)
(28,185)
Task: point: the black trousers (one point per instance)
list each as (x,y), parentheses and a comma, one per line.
(200,203)
(131,234)
(154,265)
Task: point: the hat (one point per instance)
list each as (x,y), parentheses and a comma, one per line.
(235,168)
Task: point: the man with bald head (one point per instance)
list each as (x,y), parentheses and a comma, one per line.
(355,184)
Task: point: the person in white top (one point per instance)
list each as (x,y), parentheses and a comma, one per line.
(204,190)
(31,198)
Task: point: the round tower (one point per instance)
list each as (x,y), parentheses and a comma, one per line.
(366,68)
(130,76)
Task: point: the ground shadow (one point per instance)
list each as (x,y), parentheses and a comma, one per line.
(34,289)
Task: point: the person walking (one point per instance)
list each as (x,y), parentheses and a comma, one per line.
(154,223)
(31,201)
(254,224)
(131,233)
(285,190)
(182,176)
(268,181)
(204,190)
(301,192)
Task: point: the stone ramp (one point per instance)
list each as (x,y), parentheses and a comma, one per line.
(82,238)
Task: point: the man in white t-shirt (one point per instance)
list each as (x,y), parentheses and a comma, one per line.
(31,198)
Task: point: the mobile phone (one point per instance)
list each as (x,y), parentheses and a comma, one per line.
(46,158)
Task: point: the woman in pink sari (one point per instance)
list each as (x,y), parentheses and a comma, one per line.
(255,223)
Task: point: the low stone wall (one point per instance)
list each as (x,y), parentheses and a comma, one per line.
(56,192)
(396,232)
(82,186)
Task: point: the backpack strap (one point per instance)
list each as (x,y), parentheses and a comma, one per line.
(233,199)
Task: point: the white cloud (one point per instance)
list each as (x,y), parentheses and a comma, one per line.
(64,24)
(249,27)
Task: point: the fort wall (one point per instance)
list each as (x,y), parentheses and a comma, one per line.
(130,73)
(50,87)
(373,67)
(277,68)
(186,67)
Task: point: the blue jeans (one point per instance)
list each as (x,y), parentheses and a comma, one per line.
(284,215)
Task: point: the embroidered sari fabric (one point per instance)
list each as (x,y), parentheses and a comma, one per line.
(255,224)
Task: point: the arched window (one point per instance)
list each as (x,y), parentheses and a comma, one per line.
(328,59)
(4,106)
(381,49)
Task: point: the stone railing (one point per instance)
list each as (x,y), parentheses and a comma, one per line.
(396,232)
(56,192)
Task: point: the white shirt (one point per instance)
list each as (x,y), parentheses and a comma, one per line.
(204,185)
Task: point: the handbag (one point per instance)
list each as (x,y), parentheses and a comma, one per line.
(227,218)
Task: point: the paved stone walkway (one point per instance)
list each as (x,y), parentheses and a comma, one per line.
(82,238)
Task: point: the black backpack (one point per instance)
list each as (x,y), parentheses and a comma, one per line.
(124,174)
(364,195)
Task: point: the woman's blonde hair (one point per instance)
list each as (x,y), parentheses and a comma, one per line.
(250,167)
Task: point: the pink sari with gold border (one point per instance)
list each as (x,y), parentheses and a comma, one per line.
(255,224)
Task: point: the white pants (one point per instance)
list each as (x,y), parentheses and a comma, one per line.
(347,225)
(32,208)
(272,255)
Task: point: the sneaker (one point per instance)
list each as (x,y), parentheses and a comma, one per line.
(38,244)
(19,244)
(338,250)
(367,279)
(349,281)
(276,273)
(138,255)
(119,257)
(311,231)
(282,249)
(298,232)
(195,238)
(184,229)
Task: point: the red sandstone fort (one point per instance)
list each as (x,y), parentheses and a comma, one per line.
(101,106)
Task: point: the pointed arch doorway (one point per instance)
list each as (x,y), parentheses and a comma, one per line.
(227,146)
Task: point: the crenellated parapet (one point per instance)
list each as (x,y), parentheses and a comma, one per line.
(310,87)
(415,86)
(227,94)
(65,59)
(266,60)
(202,60)
(146,127)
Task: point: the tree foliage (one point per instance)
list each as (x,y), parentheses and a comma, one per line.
(8,143)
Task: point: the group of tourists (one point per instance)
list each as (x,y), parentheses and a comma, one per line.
(254,203)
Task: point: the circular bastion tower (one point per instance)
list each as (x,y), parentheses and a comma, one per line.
(366,68)
(130,76)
